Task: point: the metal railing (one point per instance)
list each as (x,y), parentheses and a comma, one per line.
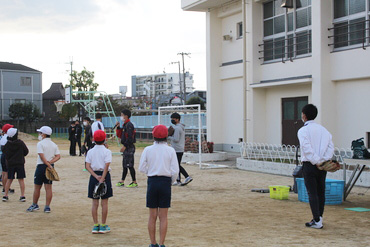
(342,31)
(286,49)
(282,153)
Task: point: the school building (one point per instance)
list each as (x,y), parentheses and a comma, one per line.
(19,84)
(266,61)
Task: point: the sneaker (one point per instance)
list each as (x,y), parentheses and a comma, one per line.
(120,184)
(177,183)
(33,207)
(187,180)
(11,191)
(314,224)
(104,229)
(95,229)
(162,245)
(132,185)
(5,198)
(22,199)
(47,209)
(153,245)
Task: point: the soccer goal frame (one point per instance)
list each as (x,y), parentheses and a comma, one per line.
(187,108)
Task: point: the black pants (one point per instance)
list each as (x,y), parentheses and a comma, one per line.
(314,180)
(78,140)
(72,147)
(132,172)
(182,170)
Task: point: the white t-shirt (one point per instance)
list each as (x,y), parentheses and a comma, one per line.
(98,156)
(159,160)
(48,148)
(4,140)
(95,126)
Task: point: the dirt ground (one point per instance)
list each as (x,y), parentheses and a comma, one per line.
(216,209)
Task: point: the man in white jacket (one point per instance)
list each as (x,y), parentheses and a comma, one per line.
(159,163)
(316,147)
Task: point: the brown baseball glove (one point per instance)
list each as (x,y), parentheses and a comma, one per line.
(171,130)
(51,174)
(329,166)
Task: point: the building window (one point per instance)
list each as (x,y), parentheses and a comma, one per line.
(287,32)
(26,81)
(22,101)
(351,22)
(239,30)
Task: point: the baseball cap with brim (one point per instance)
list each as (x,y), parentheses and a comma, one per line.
(12,132)
(45,130)
(160,131)
(6,127)
(99,136)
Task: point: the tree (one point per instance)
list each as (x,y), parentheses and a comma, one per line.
(82,81)
(16,112)
(68,111)
(195,100)
(27,112)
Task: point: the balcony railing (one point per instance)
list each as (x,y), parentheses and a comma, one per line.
(350,34)
(286,49)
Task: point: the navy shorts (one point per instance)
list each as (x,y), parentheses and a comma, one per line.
(93,181)
(4,167)
(40,177)
(21,173)
(158,194)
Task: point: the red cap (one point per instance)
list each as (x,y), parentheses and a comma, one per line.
(6,127)
(160,131)
(99,136)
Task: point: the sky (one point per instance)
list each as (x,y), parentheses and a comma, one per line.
(114,38)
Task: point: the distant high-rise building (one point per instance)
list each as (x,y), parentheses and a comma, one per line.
(158,84)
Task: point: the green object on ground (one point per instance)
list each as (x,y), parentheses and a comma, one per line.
(359,209)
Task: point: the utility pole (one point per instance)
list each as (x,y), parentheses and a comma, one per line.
(183,70)
(71,62)
(181,91)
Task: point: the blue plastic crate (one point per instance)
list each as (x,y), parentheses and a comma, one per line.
(333,191)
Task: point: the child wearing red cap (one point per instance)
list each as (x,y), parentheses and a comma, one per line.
(159,163)
(98,160)
(4,167)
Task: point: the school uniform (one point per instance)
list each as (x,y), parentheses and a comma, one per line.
(98,156)
(15,151)
(50,150)
(159,163)
(3,141)
(316,147)
(97,125)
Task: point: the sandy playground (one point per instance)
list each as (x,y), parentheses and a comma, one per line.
(216,209)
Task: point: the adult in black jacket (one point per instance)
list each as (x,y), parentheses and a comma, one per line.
(88,137)
(15,150)
(78,134)
(128,149)
(72,138)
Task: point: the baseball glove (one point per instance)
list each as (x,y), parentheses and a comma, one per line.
(329,166)
(100,190)
(51,174)
(171,130)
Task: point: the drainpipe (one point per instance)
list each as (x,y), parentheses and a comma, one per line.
(244,72)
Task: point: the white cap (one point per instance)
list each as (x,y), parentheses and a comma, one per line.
(45,130)
(11,132)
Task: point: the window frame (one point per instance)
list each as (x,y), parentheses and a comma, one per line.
(23,79)
(350,17)
(286,33)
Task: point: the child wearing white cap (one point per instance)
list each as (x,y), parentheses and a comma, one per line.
(48,154)
(15,150)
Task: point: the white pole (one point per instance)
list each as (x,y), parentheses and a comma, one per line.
(200,138)
(159,115)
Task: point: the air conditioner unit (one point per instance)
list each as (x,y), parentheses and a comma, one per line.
(227,37)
